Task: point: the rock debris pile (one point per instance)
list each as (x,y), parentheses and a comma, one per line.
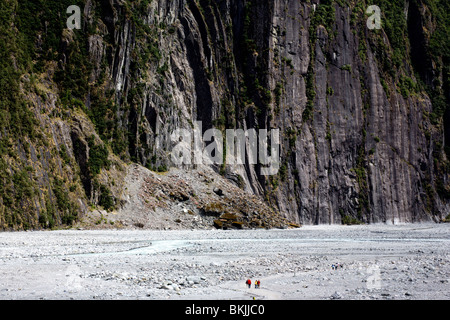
(181,199)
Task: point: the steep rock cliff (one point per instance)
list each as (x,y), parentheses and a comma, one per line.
(362,121)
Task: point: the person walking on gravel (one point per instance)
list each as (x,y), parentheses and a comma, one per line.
(249,283)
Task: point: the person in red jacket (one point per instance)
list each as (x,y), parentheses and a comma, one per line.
(249,283)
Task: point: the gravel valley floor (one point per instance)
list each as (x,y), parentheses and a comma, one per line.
(376,262)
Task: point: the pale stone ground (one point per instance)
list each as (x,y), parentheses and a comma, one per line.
(379,262)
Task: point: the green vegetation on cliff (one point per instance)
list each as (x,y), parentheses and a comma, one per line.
(51,82)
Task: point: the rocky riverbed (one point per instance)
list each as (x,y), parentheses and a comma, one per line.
(373,262)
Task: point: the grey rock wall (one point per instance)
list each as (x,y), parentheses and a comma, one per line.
(361,153)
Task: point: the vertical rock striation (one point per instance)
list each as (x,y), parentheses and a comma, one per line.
(358,141)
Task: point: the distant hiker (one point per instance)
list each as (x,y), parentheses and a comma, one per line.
(249,283)
(259,284)
(336,266)
(256,284)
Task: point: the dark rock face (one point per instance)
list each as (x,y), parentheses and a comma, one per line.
(355,145)
(360,153)
(356,153)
